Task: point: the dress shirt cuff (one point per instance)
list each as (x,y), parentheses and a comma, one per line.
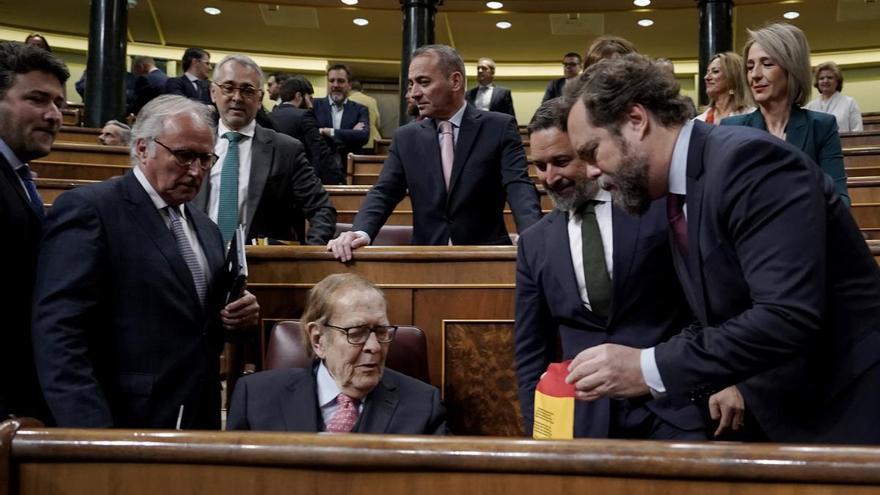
(364,235)
(650,373)
(332,132)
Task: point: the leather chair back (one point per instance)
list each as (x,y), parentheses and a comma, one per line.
(408,353)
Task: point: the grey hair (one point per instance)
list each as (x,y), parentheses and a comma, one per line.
(125,135)
(151,119)
(448,58)
(241,60)
(788,47)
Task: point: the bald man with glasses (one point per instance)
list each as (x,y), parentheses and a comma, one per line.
(263,179)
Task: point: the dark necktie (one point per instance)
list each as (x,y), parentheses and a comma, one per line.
(28,179)
(677,222)
(186,250)
(595,270)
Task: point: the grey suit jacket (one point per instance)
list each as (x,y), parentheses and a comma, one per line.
(282,191)
(287,400)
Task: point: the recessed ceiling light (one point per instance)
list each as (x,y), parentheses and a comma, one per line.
(791,15)
(494,5)
(503,25)
(360,21)
(641,3)
(212,11)
(350,2)
(646,22)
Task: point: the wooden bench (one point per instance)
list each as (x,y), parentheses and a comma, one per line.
(72,116)
(871,121)
(88,154)
(76,171)
(860,139)
(85,135)
(38,460)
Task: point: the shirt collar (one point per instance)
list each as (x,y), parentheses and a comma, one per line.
(333,103)
(678,165)
(191,77)
(601,196)
(247,130)
(10,156)
(490,85)
(157,200)
(327,388)
(456,117)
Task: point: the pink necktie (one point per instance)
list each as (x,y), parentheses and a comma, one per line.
(447,149)
(675,214)
(346,415)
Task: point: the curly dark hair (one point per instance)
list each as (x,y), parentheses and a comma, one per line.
(21,58)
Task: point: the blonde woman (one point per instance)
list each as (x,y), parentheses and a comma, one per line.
(726,87)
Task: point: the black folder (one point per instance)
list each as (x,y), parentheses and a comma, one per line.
(235,267)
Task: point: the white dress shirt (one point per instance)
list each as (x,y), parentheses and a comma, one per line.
(327,393)
(193,79)
(484,97)
(844,108)
(245,145)
(188,229)
(677,185)
(575,244)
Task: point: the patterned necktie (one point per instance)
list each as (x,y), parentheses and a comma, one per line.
(675,214)
(27,177)
(346,415)
(186,250)
(595,270)
(227,215)
(447,149)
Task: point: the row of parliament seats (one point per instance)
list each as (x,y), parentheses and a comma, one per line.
(37,460)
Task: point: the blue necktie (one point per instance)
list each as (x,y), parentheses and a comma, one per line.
(186,250)
(227,216)
(27,178)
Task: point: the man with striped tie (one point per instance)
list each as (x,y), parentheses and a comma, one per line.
(128,317)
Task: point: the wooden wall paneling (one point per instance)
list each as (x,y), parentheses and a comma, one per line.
(479,379)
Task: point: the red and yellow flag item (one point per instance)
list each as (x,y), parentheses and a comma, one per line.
(554,404)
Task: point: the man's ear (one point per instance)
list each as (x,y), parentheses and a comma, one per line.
(316,339)
(456,80)
(140,148)
(638,120)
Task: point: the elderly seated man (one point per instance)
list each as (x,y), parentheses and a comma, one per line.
(115,133)
(347,389)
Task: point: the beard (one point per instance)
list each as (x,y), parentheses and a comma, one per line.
(584,190)
(630,182)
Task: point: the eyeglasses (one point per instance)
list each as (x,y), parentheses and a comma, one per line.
(246,91)
(185,158)
(358,335)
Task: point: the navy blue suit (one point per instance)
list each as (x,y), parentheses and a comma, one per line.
(346,139)
(784,287)
(501,101)
(489,168)
(287,400)
(183,87)
(647,307)
(121,339)
(146,88)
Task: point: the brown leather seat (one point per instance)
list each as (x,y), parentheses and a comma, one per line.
(389,235)
(408,353)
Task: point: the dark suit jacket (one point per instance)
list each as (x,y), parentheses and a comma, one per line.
(146,88)
(19,389)
(287,400)
(346,139)
(647,307)
(554,89)
(300,123)
(181,86)
(489,166)
(501,100)
(814,133)
(784,288)
(282,190)
(121,339)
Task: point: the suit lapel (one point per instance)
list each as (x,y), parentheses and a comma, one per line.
(626,230)
(261,164)
(694,202)
(380,407)
(467,134)
(14,183)
(429,147)
(149,219)
(299,407)
(796,131)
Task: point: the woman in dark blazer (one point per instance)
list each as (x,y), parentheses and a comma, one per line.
(779,75)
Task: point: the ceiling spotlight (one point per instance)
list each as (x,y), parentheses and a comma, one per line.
(360,21)
(350,2)
(791,15)
(503,25)
(212,11)
(641,3)
(646,22)
(494,5)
